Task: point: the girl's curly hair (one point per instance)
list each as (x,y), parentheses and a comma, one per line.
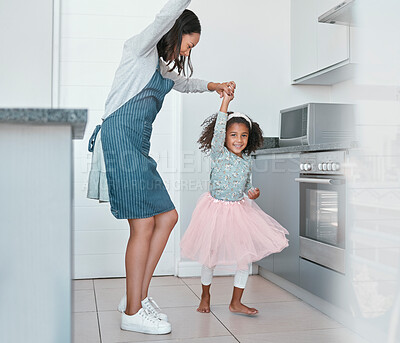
(255,133)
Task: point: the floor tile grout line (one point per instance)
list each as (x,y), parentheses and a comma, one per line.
(184,306)
(152,286)
(264,302)
(214,315)
(97,311)
(225,304)
(224,325)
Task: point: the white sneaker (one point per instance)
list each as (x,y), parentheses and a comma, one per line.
(149,304)
(122,304)
(144,323)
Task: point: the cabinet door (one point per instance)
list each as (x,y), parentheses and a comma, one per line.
(303,38)
(26,37)
(262,178)
(315,46)
(286,212)
(332,40)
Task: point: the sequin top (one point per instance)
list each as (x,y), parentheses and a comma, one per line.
(230,174)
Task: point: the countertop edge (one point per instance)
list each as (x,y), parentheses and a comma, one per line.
(307,148)
(76,118)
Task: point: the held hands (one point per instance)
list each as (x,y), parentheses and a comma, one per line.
(220,88)
(253,193)
(226,87)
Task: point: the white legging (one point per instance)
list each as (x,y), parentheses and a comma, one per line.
(240,280)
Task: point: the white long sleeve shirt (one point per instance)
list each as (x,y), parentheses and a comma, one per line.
(140,59)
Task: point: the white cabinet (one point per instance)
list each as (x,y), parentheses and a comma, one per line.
(28,36)
(318,50)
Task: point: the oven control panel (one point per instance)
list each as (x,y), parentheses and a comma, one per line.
(323,162)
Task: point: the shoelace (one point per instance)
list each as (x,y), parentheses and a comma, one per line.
(154,305)
(146,315)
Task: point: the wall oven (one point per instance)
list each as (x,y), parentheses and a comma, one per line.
(323,209)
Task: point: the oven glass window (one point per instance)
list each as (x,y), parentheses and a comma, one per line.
(323,217)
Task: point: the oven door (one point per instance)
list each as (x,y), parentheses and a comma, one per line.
(322,220)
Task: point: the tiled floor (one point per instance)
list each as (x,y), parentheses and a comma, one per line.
(282,317)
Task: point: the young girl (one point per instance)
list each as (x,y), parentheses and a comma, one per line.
(227,228)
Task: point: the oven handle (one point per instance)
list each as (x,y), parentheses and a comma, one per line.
(321,181)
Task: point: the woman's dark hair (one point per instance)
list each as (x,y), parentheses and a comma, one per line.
(255,133)
(170,44)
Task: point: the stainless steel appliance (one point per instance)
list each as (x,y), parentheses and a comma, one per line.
(323,208)
(316,123)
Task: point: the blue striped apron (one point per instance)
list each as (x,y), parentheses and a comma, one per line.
(136,189)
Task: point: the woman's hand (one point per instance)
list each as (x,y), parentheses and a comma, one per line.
(220,88)
(253,193)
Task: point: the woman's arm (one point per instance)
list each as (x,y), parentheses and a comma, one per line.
(150,36)
(181,83)
(221,88)
(218,140)
(184,84)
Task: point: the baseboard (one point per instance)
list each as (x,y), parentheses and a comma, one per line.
(193,269)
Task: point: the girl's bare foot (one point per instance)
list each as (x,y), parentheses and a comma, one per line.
(204,306)
(240,308)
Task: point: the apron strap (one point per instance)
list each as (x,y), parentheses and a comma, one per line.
(92,139)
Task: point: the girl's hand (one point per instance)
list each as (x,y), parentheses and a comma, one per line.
(227,98)
(253,193)
(220,88)
(225,102)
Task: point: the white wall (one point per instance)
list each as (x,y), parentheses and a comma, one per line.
(248,42)
(26,41)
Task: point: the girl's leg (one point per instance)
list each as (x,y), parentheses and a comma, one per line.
(206,279)
(163,225)
(137,252)
(236,305)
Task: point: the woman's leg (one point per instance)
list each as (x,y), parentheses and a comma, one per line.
(137,253)
(163,225)
(236,305)
(206,279)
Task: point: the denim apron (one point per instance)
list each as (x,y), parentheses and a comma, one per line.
(135,188)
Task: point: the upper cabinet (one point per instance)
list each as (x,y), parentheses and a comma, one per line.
(28,67)
(320,52)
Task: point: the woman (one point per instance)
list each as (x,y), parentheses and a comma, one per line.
(135,189)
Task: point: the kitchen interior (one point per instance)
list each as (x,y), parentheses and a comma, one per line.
(321,77)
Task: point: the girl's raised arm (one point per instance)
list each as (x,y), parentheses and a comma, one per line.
(218,140)
(150,36)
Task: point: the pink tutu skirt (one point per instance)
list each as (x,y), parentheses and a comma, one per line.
(231,233)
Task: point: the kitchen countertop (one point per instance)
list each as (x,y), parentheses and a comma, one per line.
(306,148)
(76,118)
